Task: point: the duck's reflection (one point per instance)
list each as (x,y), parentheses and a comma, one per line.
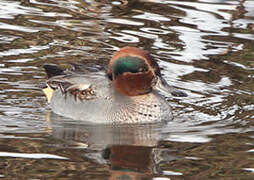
(101,136)
(131,162)
(131,150)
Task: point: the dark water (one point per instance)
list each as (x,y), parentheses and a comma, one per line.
(205,47)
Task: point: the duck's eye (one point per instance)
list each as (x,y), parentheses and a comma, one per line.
(141,69)
(129,64)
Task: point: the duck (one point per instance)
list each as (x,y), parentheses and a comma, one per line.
(128,91)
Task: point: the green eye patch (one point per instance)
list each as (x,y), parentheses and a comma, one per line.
(129,64)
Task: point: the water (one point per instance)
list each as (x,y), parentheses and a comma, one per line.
(205,48)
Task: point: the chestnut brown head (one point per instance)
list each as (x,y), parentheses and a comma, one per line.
(133,71)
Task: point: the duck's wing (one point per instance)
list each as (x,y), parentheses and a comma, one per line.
(78,81)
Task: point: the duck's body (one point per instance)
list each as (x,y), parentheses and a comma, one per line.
(97,97)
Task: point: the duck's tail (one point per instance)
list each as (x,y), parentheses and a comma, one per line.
(53,70)
(49,93)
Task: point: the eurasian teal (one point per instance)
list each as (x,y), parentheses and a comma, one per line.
(127,92)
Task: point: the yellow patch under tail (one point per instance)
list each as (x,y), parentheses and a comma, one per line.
(49,93)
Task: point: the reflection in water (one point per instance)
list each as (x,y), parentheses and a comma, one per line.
(30,155)
(134,162)
(100,136)
(131,150)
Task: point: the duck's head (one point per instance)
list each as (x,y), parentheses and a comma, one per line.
(134,72)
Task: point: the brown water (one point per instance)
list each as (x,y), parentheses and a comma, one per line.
(205,47)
